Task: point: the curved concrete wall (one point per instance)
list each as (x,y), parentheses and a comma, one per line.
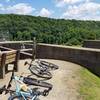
(92,44)
(89,58)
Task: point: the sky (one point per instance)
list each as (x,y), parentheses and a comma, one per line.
(66,9)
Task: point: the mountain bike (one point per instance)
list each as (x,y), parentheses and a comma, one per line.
(47,65)
(22,91)
(38,71)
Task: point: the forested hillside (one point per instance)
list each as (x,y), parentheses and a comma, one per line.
(47,30)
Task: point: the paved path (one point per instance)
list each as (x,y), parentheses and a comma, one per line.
(65,81)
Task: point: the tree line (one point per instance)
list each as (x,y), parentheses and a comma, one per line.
(48,30)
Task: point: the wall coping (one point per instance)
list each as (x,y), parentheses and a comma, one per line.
(71,47)
(11,42)
(93,40)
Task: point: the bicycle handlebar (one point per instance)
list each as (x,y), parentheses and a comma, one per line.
(30,64)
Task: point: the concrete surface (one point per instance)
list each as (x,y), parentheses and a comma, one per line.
(64,81)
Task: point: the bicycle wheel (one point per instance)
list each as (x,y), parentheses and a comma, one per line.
(15,97)
(33,81)
(47,64)
(39,73)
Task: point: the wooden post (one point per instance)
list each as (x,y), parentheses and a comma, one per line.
(17,60)
(2,67)
(34,49)
(6,68)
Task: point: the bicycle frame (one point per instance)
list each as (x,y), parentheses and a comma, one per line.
(19,92)
(38,68)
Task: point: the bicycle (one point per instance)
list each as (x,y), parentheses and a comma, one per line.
(38,71)
(47,65)
(22,91)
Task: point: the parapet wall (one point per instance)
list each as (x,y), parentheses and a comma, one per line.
(16,44)
(92,44)
(89,58)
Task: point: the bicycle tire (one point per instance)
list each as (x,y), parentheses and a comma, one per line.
(33,81)
(49,65)
(37,71)
(15,97)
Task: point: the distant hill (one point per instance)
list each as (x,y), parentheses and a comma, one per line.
(47,30)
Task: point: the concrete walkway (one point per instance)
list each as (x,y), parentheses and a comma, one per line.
(64,81)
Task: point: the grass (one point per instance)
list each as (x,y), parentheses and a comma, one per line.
(89,87)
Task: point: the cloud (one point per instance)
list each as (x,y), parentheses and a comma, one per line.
(87,10)
(62,3)
(7,0)
(21,8)
(45,12)
(2,7)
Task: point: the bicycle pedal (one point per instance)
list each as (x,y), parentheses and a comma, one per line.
(2,89)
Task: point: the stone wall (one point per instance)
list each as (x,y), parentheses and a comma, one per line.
(89,58)
(92,44)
